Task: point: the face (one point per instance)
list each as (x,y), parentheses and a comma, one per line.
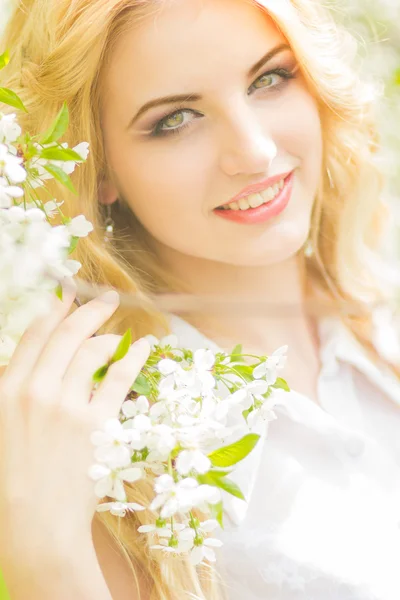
(177,162)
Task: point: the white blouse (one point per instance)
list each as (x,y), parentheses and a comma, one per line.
(321,519)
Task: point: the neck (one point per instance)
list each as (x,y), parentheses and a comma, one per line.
(279,289)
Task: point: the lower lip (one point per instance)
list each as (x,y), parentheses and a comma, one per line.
(265,211)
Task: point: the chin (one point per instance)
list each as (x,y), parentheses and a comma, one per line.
(278,251)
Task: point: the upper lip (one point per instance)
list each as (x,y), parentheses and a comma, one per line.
(257,187)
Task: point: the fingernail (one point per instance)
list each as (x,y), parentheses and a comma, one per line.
(111,297)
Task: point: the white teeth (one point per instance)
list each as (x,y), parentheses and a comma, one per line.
(255,200)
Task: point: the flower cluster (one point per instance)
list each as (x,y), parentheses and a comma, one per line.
(34,251)
(174,427)
(189,417)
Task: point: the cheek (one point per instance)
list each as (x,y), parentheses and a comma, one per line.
(301,132)
(161,178)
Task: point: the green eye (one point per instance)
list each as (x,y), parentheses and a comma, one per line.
(174,120)
(265,79)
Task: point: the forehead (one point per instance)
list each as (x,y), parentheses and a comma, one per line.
(213,33)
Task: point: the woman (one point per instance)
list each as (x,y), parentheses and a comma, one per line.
(266,96)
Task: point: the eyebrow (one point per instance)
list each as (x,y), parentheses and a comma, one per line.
(196,97)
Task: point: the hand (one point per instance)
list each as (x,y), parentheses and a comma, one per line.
(47,414)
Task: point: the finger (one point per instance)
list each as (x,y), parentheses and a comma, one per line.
(36,336)
(69,336)
(78,382)
(114,388)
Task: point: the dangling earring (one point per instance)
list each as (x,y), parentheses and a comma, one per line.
(108,226)
(308,249)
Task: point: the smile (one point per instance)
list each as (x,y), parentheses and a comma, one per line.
(260,207)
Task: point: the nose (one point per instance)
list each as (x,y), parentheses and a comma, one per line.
(248,147)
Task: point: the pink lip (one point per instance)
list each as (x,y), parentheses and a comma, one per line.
(265,211)
(257,187)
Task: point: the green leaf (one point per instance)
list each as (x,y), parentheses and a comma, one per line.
(217,513)
(100,374)
(4,59)
(230,487)
(236,353)
(234,453)
(122,347)
(141,385)
(59,292)
(212,476)
(63,154)
(11,99)
(244,371)
(61,176)
(218,479)
(58,128)
(246,412)
(281,384)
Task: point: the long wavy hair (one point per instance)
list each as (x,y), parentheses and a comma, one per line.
(60,49)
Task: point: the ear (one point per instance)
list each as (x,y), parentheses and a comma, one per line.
(107,192)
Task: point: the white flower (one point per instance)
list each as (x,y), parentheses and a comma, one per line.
(166,366)
(8,192)
(204,361)
(82,149)
(131,408)
(195,381)
(181,547)
(79,226)
(205,550)
(268,369)
(182,496)
(172,496)
(9,129)
(176,538)
(248,393)
(51,207)
(201,545)
(162,530)
(207,526)
(141,423)
(263,413)
(11,166)
(113,444)
(110,483)
(161,439)
(192,459)
(119,509)
(32,252)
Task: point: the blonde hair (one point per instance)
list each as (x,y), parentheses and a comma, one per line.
(60,49)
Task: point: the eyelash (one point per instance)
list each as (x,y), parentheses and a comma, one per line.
(157,132)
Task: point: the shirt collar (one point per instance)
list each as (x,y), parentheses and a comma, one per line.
(337,343)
